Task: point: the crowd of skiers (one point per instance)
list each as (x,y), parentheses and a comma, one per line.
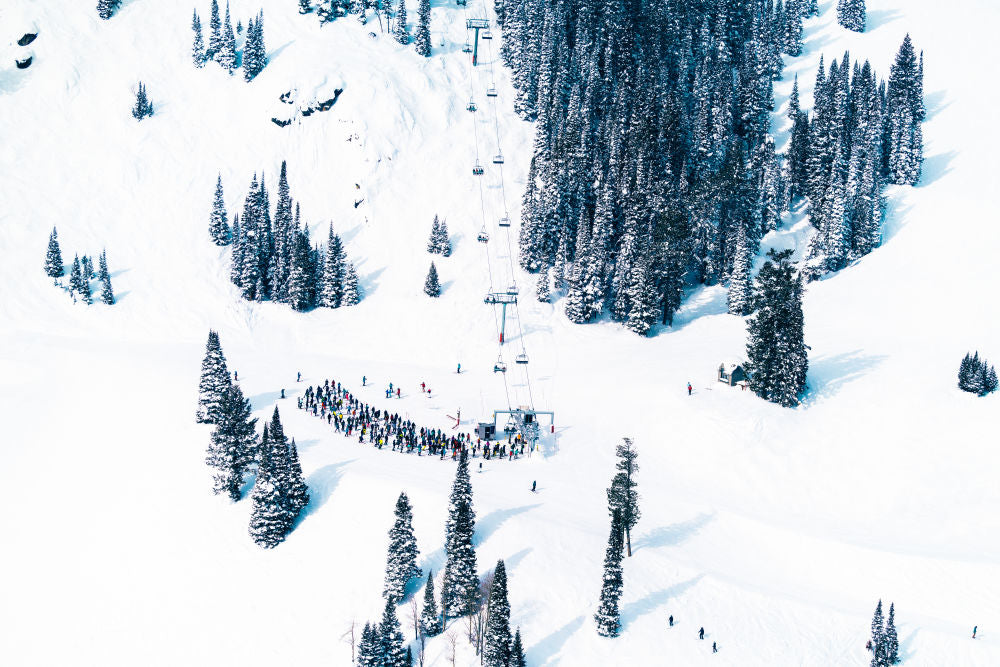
(348,415)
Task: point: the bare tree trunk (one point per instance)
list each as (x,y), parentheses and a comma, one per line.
(420,654)
(415,615)
(452,644)
(348,637)
(628,541)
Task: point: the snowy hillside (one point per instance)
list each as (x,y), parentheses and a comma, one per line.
(775,529)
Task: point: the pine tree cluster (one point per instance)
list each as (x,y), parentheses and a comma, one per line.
(976,375)
(851,14)
(862,134)
(106,8)
(277,261)
(623,499)
(382,644)
(439,243)
(233,447)
(222,47)
(652,153)
(777,357)
(81,273)
(884,643)
(280,492)
(143,107)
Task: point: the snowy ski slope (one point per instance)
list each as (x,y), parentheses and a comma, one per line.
(777,530)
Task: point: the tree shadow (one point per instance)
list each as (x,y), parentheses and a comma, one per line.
(492,521)
(258,401)
(935,103)
(876,18)
(906,646)
(674,534)
(653,601)
(513,561)
(935,167)
(369,283)
(548,647)
(828,374)
(322,483)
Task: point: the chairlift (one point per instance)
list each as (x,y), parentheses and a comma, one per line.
(504,222)
(477,170)
(491,92)
(483,236)
(471,106)
(499,366)
(512,290)
(510,426)
(468,47)
(521,358)
(487,34)
(498,159)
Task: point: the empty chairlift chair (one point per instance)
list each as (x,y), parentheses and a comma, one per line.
(504,222)
(498,159)
(477,170)
(512,290)
(491,92)
(487,34)
(521,358)
(468,47)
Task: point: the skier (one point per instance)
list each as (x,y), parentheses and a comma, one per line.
(282,393)
(974,628)
(236,375)
(689,388)
(397,392)
(701,633)
(423,387)
(459,368)
(714,649)
(364,379)
(671,620)
(534,487)
(298,377)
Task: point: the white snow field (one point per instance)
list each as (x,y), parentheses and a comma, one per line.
(775,529)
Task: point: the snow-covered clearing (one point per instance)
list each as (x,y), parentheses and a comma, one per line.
(777,530)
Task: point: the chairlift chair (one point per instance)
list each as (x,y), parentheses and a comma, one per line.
(504,222)
(510,426)
(468,47)
(477,170)
(512,290)
(521,358)
(483,236)
(491,92)
(487,34)
(471,106)
(499,367)
(498,159)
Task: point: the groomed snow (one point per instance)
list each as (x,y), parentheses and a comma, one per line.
(777,530)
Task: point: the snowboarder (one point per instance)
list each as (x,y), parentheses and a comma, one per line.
(701,633)
(714,649)
(534,489)
(689,388)
(671,620)
(298,376)
(974,628)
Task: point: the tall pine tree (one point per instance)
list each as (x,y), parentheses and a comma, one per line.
(430,619)
(423,38)
(53,257)
(234,443)
(401,559)
(623,499)
(608,616)
(214,380)
(218,221)
(497,650)
(460,590)
(107,294)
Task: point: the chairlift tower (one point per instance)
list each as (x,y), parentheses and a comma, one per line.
(503,299)
(477,25)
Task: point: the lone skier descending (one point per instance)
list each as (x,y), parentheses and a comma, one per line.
(701,633)
(459,368)
(689,388)
(364,380)
(714,649)
(534,486)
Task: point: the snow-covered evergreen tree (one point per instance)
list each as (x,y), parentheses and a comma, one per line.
(432,286)
(608,616)
(106,8)
(497,639)
(269,519)
(430,619)
(334,273)
(143,106)
(218,221)
(878,645)
(214,380)
(891,638)
(623,499)
(352,290)
(423,38)
(326,10)
(399,30)
(460,589)
(294,487)
(542,290)
(740,287)
(443,239)
(851,14)
(401,559)
(777,360)
(517,651)
(53,257)
(227,46)
(234,442)
(107,294)
(75,278)
(198,47)
(305,6)
(214,32)
(254,51)
(369,647)
(392,651)
(904,117)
